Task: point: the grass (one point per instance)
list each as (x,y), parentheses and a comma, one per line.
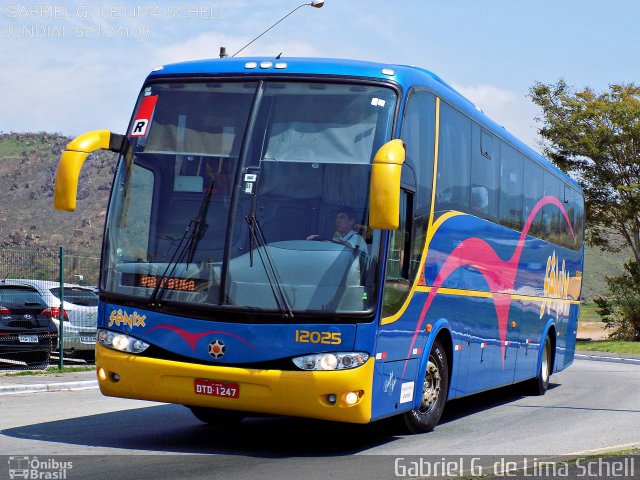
(50,371)
(12,147)
(597,266)
(588,312)
(612,346)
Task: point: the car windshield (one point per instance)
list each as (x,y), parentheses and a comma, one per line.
(77,296)
(251,195)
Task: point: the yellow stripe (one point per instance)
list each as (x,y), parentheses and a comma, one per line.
(396,316)
(435,161)
(480,294)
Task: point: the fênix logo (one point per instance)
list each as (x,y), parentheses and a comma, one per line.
(556,287)
(118,317)
(34,468)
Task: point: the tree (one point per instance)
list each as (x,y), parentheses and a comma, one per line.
(596,138)
(621,310)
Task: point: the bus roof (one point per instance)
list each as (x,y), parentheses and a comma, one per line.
(404,75)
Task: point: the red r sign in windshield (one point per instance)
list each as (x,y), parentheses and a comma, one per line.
(143,117)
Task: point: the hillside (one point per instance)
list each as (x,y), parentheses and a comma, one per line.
(27,218)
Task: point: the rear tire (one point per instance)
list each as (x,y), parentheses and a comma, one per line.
(434,392)
(540,384)
(215,417)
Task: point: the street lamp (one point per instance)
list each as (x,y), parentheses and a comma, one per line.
(313,3)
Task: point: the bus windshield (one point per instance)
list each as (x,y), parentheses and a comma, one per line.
(252,195)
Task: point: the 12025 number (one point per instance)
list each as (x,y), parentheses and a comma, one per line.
(328,338)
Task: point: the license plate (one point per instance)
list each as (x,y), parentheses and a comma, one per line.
(88,338)
(216,389)
(28,338)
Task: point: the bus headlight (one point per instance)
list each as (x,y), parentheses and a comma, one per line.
(331,361)
(121,342)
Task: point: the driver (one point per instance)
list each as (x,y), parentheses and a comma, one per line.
(345,234)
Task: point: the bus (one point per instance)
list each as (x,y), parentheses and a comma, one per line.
(330,239)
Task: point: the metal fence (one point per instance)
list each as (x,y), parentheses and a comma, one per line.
(38,287)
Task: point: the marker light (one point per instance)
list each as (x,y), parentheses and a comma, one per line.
(331,361)
(266,64)
(250,65)
(121,342)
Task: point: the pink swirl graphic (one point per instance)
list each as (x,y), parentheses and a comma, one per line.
(500,275)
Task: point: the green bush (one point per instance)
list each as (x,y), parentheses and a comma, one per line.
(621,309)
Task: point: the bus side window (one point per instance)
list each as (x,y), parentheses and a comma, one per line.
(398,279)
(454,160)
(511,187)
(485,175)
(533,192)
(418,134)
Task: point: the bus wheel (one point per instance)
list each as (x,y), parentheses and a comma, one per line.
(540,384)
(434,393)
(216,418)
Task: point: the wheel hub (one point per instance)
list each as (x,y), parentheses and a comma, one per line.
(430,388)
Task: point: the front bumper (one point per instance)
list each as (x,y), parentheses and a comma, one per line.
(294,393)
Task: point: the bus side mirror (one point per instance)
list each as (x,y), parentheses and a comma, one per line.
(71,160)
(384,194)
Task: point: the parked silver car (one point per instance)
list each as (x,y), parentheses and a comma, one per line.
(80,308)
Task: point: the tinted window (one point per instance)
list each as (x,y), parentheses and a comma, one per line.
(454,159)
(77,296)
(551,214)
(397,284)
(533,192)
(485,176)
(17,296)
(419,137)
(511,185)
(575,210)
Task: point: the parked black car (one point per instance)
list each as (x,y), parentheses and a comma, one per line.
(27,333)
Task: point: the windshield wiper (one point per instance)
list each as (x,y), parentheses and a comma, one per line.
(256,234)
(176,258)
(187,246)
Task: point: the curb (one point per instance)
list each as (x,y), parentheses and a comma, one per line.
(593,355)
(48,387)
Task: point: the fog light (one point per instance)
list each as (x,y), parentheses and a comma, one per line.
(331,398)
(351,398)
(115,377)
(102,375)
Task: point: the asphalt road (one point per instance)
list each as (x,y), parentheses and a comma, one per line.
(590,407)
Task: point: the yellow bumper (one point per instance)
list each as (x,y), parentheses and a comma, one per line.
(295,393)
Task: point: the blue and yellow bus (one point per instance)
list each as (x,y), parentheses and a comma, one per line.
(331,239)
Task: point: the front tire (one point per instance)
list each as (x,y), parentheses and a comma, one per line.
(434,392)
